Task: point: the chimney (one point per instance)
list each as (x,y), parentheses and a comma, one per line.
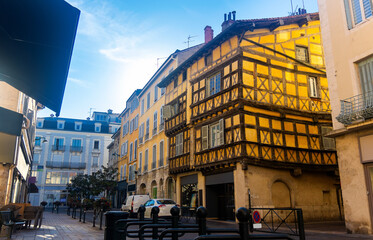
(109,111)
(227,22)
(209,34)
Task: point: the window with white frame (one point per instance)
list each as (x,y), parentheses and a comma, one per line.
(60,124)
(357,11)
(366,75)
(213,135)
(154,162)
(97,127)
(136,122)
(213,85)
(131,126)
(161,120)
(40,123)
(179,144)
(78,126)
(163,90)
(313,87)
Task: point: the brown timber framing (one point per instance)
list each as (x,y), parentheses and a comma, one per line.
(177,122)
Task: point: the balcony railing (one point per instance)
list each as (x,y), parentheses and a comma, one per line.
(76,149)
(161,126)
(155,130)
(58,148)
(359,107)
(72,165)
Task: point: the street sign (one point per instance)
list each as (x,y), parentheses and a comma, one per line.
(256,217)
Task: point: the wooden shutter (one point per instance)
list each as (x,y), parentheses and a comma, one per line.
(166,111)
(328,143)
(205,137)
(221,133)
(348,14)
(207,87)
(366,75)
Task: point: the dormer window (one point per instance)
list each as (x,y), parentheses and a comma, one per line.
(78,126)
(60,124)
(97,127)
(40,123)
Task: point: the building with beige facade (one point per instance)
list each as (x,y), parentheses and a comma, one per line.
(153,173)
(346,28)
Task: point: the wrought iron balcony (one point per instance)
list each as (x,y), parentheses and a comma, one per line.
(60,164)
(58,147)
(76,149)
(155,130)
(359,107)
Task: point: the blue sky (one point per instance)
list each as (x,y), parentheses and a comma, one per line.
(120,42)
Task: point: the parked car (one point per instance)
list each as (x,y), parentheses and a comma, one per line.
(133,202)
(164,205)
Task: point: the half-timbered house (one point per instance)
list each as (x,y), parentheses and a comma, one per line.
(248,113)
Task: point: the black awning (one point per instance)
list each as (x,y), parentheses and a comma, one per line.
(10,122)
(36,43)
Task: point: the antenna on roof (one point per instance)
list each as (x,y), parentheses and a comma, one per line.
(90,112)
(293,12)
(189,40)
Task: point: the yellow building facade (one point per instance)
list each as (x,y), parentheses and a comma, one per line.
(153,173)
(248,113)
(128,147)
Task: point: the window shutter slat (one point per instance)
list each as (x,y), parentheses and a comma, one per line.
(221,133)
(348,13)
(205,134)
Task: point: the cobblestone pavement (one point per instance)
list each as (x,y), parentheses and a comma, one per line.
(60,226)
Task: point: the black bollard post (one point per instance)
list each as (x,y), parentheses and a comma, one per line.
(175,212)
(110,227)
(84,215)
(80,214)
(94,217)
(142,218)
(302,235)
(201,220)
(58,208)
(53,208)
(141,212)
(154,213)
(243,217)
(74,212)
(68,210)
(101,214)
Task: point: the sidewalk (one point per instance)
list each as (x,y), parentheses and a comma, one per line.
(61,227)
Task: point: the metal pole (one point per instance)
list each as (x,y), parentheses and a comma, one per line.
(243,216)
(102,211)
(80,214)
(155,212)
(94,217)
(201,219)
(84,215)
(250,210)
(302,235)
(175,212)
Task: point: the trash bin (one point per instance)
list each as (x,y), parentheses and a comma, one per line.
(110,218)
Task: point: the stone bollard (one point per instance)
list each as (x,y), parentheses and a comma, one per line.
(243,216)
(201,220)
(154,214)
(175,213)
(111,217)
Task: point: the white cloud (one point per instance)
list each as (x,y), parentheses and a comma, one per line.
(78,82)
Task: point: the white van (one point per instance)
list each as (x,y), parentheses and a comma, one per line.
(133,202)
